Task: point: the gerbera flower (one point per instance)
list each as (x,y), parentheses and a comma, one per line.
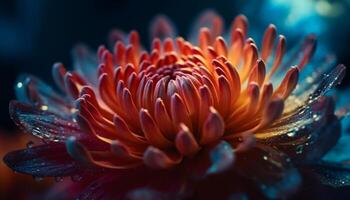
(200,119)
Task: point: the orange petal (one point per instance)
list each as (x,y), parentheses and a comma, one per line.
(253,94)
(158,159)
(204,38)
(168,45)
(179,113)
(288,84)
(185,143)
(250,57)
(220,46)
(122,150)
(151,131)
(119,53)
(225,102)
(258,73)
(236,49)
(280,50)
(123,132)
(267,45)
(265,96)
(273,111)
(205,103)
(163,119)
(240,22)
(130,108)
(134,39)
(213,127)
(190,95)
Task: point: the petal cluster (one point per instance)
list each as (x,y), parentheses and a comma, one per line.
(165,107)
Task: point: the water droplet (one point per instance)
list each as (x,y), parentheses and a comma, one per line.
(291,134)
(299,149)
(19,84)
(30,144)
(44,107)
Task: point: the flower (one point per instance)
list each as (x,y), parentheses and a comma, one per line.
(168,122)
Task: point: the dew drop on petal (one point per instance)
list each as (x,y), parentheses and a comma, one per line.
(19,85)
(44,107)
(291,134)
(299,149)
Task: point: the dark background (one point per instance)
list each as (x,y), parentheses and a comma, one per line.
(35,34)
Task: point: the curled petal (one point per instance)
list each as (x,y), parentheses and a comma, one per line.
(151,130)
(158,159)
(288,84)
(161,27)
(99,159)
(269,37)
(185,143)
(179,112)
(163,119)
(273,111)
(240,22)
(210,20)
(258,73)
(280,50)
(213,128)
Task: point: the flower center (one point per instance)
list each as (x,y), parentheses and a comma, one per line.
(170,72)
